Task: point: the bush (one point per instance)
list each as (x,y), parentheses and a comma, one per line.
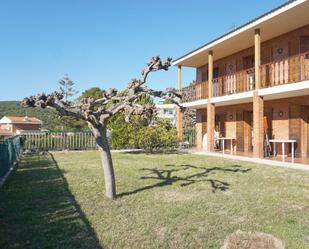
(140,135)
(121,136)
(160,135)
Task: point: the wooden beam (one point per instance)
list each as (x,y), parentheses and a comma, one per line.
(257,57)
(210,73)
(179,78)
(179,121)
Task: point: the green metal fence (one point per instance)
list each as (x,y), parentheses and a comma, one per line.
(10,150)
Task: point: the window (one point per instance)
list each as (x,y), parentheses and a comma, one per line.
(304,44)
(168,111)
(204,76)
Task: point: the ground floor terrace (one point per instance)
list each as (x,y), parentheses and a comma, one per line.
(275,127)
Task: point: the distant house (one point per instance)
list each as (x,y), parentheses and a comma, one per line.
(167,111)
(5,133)
(20,125)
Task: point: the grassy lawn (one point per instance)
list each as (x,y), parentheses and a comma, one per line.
(165,201)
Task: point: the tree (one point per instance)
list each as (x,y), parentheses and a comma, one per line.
(97,112)
(93,92)
(67,90)
(74,124)
(67,87)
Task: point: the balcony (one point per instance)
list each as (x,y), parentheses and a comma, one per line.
(195,92)
(285,71)
(241,81)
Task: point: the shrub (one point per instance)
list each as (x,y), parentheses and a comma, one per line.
(160,135)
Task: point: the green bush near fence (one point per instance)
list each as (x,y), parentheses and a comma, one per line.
(9,153)
(140,135)
(157,137)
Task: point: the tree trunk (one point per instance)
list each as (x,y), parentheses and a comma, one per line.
(107,162)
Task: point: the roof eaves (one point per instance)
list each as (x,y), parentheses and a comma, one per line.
(234,30)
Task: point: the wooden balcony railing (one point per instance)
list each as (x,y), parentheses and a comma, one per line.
(241,81)
(285,71)
(195,92)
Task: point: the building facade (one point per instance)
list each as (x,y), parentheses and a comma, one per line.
(20,125)
(252,85)
(167,111)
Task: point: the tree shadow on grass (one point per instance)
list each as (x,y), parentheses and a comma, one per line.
(168,177)
(37,209)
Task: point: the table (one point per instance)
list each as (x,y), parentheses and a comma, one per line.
(223,146)
(283,141)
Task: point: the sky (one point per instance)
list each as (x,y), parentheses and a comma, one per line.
(106,43)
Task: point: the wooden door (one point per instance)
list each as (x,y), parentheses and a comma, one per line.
(240,131)
(281,63)
(304,44)
(230,70)
(266,69)
(248,62)
(304,51)
(216,82)
(220,123)
(248,131)
(248,65)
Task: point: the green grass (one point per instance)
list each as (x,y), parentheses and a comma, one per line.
(165,201)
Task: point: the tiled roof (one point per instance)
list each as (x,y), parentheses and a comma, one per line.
(23,119)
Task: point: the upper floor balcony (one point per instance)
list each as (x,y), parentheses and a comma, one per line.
(195,91)
(269,53)
(288,70)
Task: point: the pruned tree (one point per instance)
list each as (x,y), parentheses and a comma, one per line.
(97,112)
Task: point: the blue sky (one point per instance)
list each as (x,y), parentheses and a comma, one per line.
(106,43)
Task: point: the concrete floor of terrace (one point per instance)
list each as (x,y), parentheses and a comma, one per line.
(299,163)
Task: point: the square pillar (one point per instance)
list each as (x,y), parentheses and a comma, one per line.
(179,120)
(257,58)
(210,126)
(210,73)
(258,122)
(210,107)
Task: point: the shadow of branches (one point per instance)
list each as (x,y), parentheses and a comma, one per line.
(175,174)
